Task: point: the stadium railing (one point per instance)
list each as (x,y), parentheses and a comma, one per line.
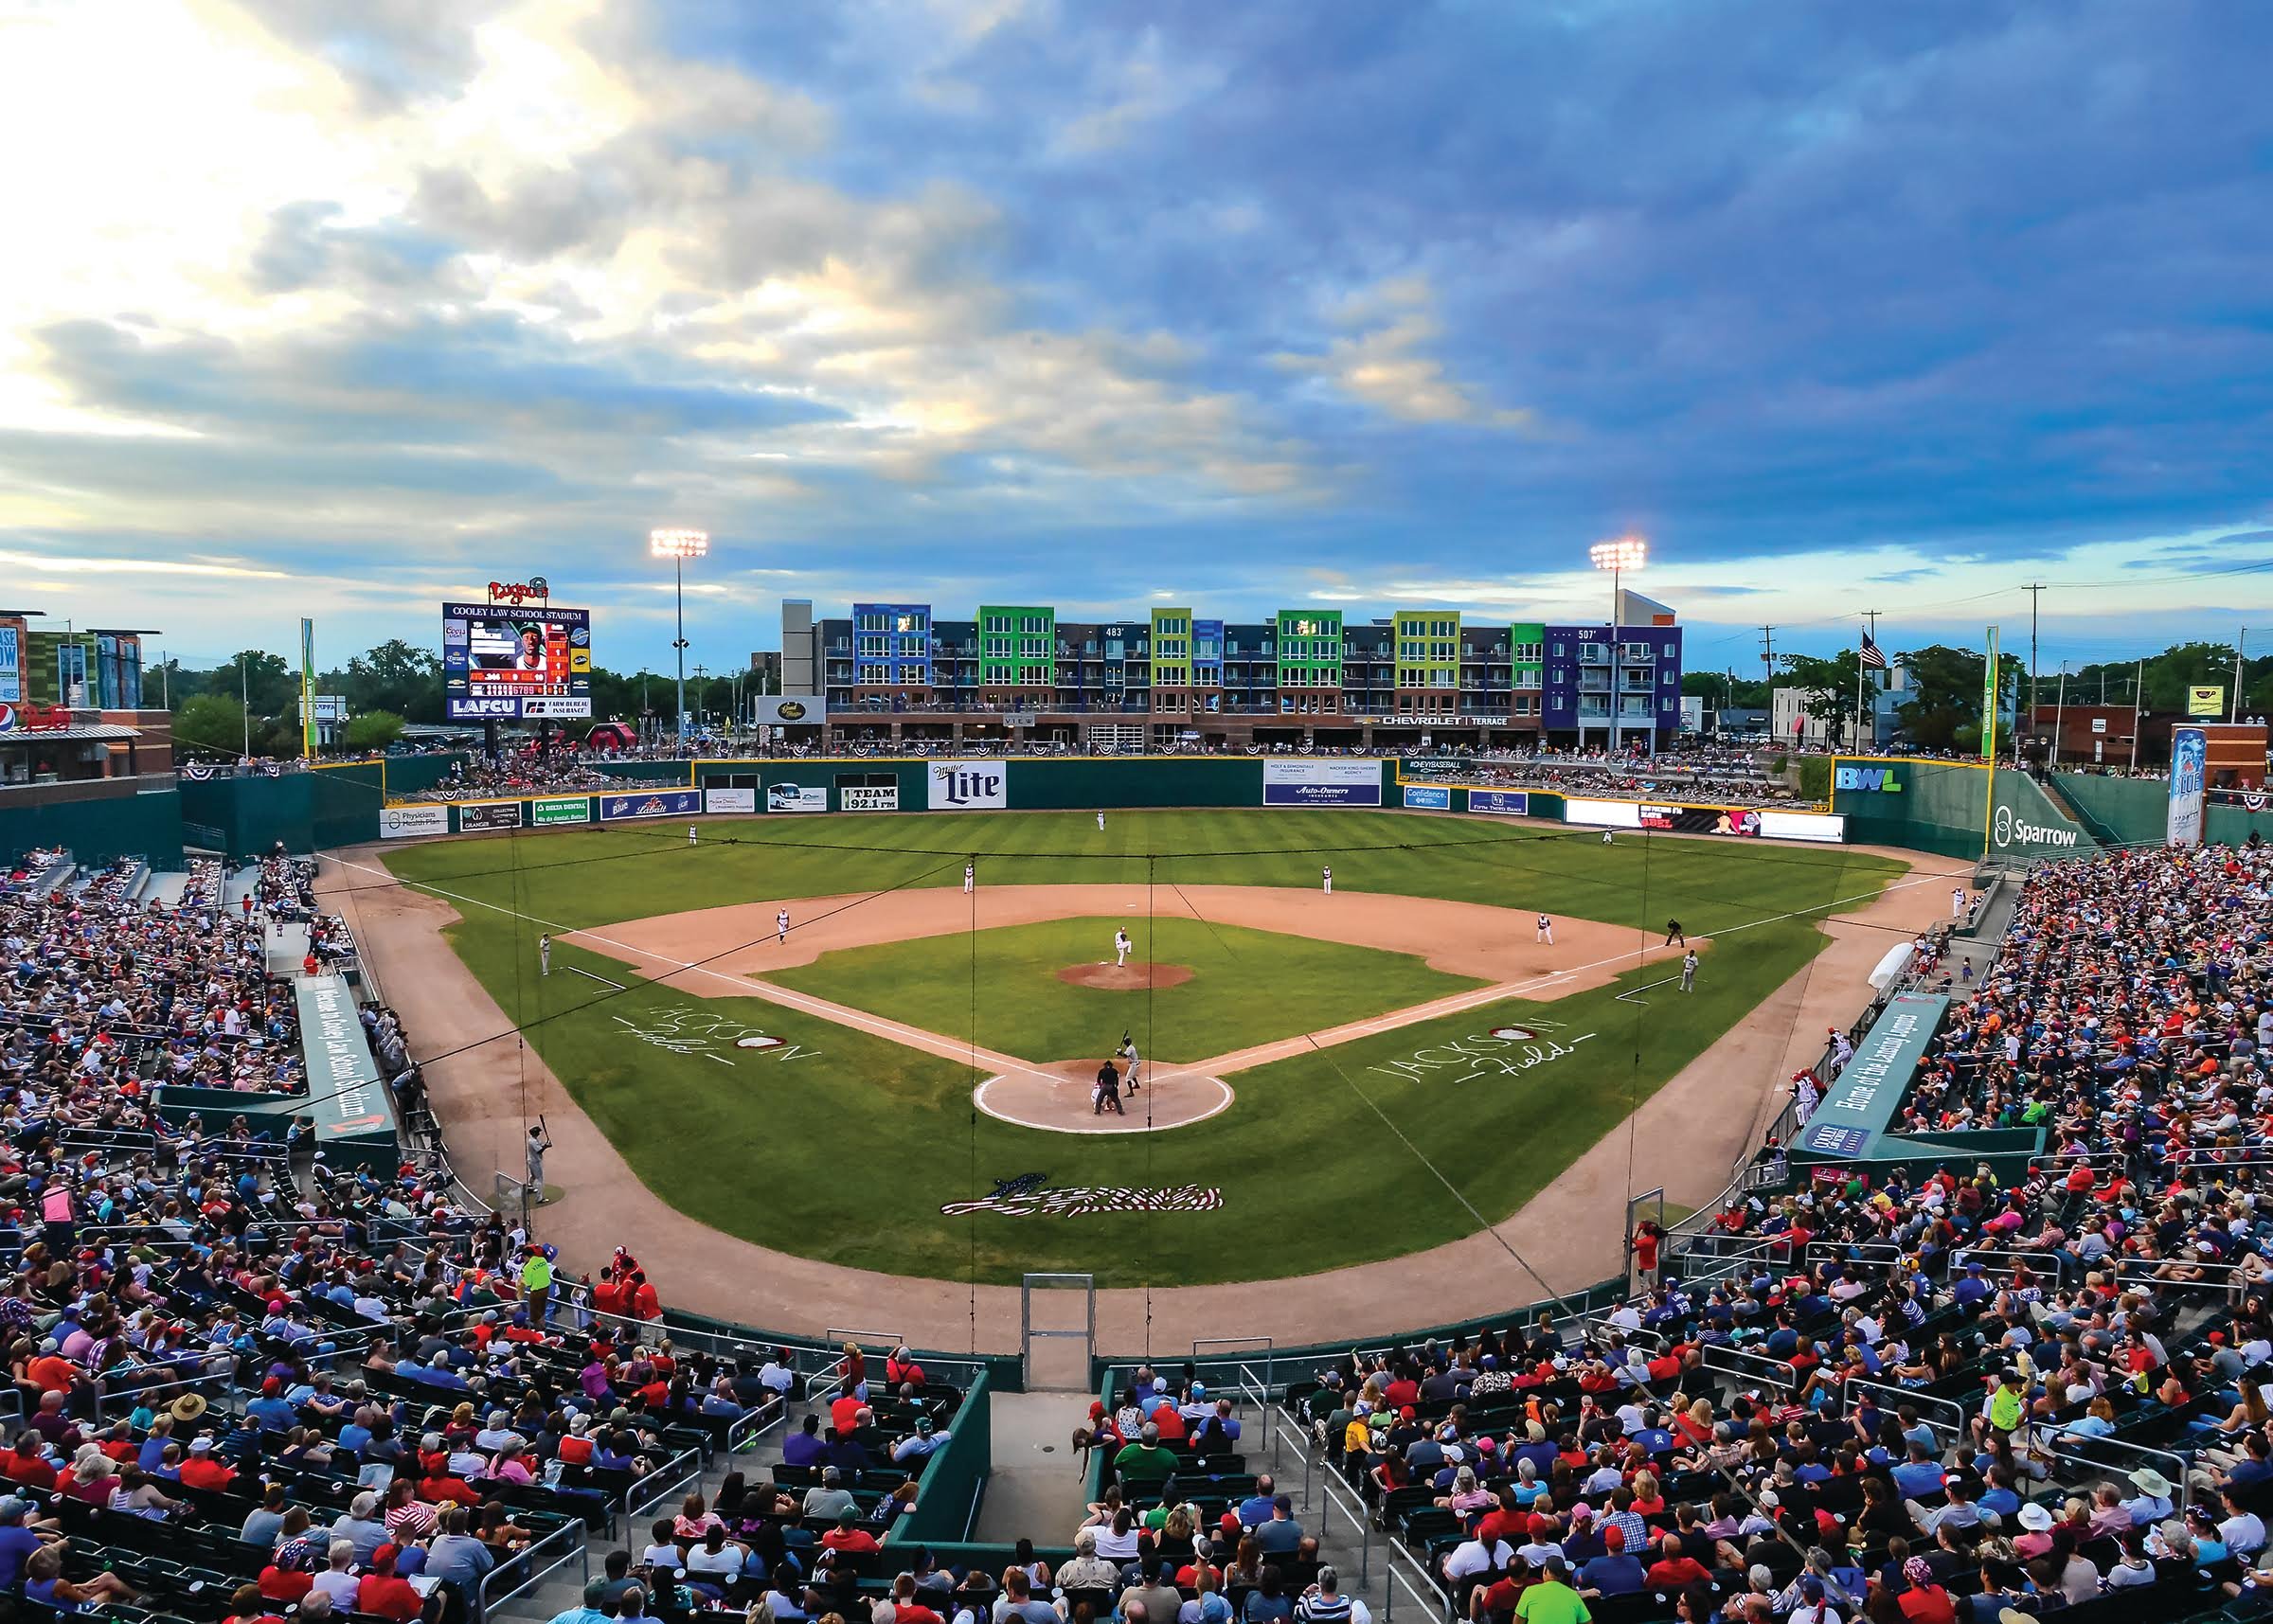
(525,1570)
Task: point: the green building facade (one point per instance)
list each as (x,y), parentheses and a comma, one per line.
(1427,648)
(1310,648)
(1017,645)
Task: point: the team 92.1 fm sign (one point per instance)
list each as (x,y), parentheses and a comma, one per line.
(503,662)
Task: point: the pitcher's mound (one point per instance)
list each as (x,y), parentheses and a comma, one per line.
(1130,977)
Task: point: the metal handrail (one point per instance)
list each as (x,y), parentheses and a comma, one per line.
(773,1413)
(573,1547)
(1781,1370)
(643,1493)
(2182,1492)
(1270,1358)
(1259,1393)
(1905,1395)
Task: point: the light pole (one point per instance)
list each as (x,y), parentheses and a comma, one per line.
(2234,712)
(1618,556)
(2060,712)
(678,546)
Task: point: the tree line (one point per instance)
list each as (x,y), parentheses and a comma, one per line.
(1943,710)
(387,688)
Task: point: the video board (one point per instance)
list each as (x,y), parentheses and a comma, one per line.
(505,663)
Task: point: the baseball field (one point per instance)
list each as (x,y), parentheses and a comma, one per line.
(900,1080)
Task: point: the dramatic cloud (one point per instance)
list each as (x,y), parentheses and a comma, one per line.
(952,298)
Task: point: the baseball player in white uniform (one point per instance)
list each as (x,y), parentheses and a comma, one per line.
(1688,971)
(1101,823)
(690,839)
(1546,931)
(1606,839)
(1135,1075)
(782,926)
(545,955)
(970,877)
(1957,905)
(1326,879)
(1121,948)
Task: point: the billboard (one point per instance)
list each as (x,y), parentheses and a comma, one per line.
(560,809)
(968,786)
(651,803)
(2189,759)
(789,710)
(730,801)
(1330,784)
(869,797)
(507,664)
(1428,798)
(401,823)
(12,665)
(797,798)
(1601,814)
(488,814)
(2205,701)
(1508,803)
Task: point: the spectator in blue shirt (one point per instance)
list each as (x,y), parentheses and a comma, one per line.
(805,1447)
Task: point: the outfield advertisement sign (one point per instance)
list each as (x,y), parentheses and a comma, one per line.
(1825,828)
(1428,798)
(1508,803)
(869,797)
(797,798)
(1601,814)
(730,801)
(560,809)
(2190,761)
(789,709)
(651,803)
(968,786)
(1332,783)
(404,823)
(489,815)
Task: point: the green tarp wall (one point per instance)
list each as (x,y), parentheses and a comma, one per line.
(2026,826)
(98,830)
(1048,785)
(2135,811)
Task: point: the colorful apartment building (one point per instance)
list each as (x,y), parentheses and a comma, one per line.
(892,671)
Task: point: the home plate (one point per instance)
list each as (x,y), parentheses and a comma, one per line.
(1059,1097)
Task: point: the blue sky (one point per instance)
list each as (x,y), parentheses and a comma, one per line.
(342,307)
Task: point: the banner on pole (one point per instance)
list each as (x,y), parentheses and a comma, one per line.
(2189,759)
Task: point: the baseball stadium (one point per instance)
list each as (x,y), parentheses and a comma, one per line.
(986,811)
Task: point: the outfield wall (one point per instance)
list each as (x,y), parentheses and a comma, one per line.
(1957,809)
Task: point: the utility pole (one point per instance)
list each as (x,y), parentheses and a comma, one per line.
(2036,595)
(2234,712)
(2138,684)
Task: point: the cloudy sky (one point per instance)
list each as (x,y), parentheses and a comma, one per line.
(342,307)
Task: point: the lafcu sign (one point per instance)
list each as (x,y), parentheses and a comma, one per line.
(1879,778)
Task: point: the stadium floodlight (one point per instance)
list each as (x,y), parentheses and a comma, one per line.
(678,545)
(1618,555)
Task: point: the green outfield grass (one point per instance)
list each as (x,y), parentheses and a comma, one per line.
(1247,986)
(845,1146)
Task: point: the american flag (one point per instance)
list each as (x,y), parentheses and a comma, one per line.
(1872,660)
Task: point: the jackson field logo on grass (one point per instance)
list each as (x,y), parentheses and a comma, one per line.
(684,1031)
(1028,1196)
(1503,1051)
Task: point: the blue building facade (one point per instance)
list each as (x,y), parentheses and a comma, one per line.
(1634,695)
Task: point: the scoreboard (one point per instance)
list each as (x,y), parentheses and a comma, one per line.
(505,663)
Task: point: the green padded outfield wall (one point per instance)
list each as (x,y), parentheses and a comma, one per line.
(2025,824)
(1940,806)
(98,830)
(1047,784)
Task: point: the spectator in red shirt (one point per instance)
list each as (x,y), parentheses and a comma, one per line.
(201,1470)
(1675,1570)
(384,1593)
(25,1464)
(849,1536)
